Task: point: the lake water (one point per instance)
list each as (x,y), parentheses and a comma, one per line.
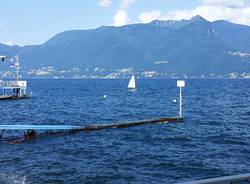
(214,139)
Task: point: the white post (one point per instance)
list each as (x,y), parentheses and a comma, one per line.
(180,114)
(180,84)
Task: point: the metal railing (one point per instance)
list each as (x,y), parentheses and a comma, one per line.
(12,84)
(235,179)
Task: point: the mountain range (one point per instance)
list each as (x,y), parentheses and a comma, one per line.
(186,48)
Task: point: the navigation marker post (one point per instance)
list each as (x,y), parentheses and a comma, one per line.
(180,84)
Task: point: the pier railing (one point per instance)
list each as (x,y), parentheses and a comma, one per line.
(13,84)
(235,179)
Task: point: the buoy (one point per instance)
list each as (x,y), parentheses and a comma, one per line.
(174,100)
(104,96)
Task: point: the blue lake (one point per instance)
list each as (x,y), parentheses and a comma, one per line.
(214,139)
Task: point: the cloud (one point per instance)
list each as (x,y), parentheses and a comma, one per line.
(120,18)
(105,3)
(236,11)
(146,17)
(125,4)
(212,13)
(10,43)
(225,3)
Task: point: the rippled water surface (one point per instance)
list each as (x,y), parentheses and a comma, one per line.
(214,139)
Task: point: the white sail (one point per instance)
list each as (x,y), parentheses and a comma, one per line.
(131,84)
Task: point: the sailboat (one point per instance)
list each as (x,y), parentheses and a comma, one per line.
(131,84)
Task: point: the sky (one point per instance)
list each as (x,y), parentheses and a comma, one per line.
(31,22)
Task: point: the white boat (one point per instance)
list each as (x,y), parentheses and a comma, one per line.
(131,84)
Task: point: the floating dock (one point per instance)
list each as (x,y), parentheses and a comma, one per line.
(12,97)
(31,130)
(132,123)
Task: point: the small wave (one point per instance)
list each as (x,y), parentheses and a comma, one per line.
(12,179)
(231,140)
(178,139)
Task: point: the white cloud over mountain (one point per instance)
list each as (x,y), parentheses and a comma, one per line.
(236,11)
(120,18)
(9,42)
(146,17)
